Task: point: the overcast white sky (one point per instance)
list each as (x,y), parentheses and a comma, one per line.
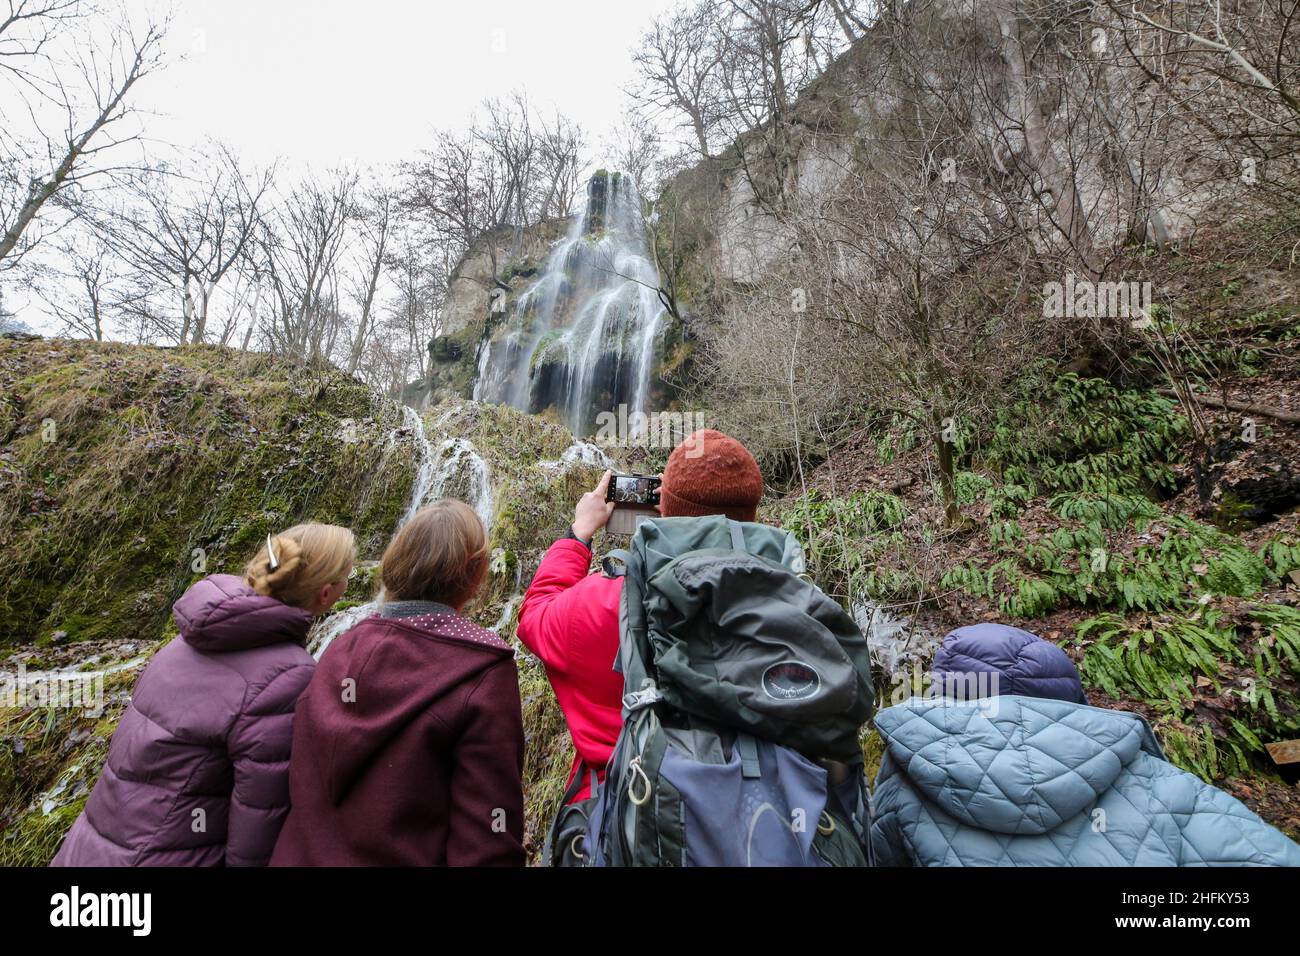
(320,83)
(327,81)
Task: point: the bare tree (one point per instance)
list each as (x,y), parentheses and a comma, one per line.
(457,191)
(73,70)
(187,229)
(416,312)
(375,224)
(82,293)
(637,149)
(679,62)
(302,246)
(509,137)
(560,146)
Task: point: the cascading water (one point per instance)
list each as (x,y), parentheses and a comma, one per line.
(460,472)
(579,453)
(583,337)
(453,469)
(424,475)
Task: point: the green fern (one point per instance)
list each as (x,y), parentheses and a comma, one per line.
(1165,661)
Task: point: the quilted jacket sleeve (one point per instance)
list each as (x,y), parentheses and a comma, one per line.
(258,744)
(1220,830)
(888,847)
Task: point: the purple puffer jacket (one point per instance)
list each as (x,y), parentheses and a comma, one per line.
(198,770)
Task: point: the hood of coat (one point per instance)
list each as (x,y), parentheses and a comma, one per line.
(382,677)
(987,660)
(222,613)
(1019,765)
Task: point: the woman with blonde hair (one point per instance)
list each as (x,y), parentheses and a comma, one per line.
(198,769)
(408,748)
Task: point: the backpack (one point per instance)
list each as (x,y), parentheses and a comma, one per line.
(746,689)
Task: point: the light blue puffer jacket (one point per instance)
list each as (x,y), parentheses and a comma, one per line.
(1026,781)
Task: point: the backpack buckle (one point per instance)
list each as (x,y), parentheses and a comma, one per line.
(640,699)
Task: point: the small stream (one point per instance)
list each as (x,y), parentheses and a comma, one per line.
(454,468)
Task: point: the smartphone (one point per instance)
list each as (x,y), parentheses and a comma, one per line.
(636,498)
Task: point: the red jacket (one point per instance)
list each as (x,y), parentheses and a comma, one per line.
(569,619)
(408,750)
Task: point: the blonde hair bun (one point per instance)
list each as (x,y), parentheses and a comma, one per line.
(289,559)
(308,556)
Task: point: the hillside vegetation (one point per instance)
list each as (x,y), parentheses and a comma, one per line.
(126,473)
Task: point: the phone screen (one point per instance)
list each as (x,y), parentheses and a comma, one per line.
(634,491)
(636,498)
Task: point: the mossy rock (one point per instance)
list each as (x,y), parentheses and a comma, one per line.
(129,472)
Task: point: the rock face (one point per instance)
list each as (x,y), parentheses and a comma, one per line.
(1025,127)
(486,268)
(481,287)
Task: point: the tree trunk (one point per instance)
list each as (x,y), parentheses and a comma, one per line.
(1068,213)
(947,478)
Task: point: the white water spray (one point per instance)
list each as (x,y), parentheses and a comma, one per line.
(896,643)
(454,468)
(584,336)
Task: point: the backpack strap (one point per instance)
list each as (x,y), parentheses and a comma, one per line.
(614,564)
(748,747)
(579,777)
(737,535)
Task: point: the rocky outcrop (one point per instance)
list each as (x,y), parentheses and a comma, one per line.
(487,271)
(483,288)
(1022,124)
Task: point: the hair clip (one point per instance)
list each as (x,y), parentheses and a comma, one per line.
(270,553)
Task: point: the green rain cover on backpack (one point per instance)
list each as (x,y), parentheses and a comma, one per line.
(746,688)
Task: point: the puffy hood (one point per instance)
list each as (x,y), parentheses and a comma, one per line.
(1022,663)
(1018,765)
(400,672)
(222,613)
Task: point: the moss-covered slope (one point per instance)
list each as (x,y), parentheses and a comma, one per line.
(126,473)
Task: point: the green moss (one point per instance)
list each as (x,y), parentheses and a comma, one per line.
(1233,515)
(541,353)
(168,464)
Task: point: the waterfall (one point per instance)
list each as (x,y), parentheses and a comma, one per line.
(508,610)
(323,634)
(424,475)
(454,469)
(583,338)
(460,472)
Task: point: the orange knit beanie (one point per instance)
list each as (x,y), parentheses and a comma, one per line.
(711,473)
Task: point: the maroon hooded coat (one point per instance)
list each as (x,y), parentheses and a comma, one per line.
(408,750)
(198,770)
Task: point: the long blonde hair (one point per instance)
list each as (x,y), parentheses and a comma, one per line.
(308,557)
(440,555)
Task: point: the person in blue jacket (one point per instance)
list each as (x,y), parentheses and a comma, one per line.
(1007,765)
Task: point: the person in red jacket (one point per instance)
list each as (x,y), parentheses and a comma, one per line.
(408,745)
(569,618)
